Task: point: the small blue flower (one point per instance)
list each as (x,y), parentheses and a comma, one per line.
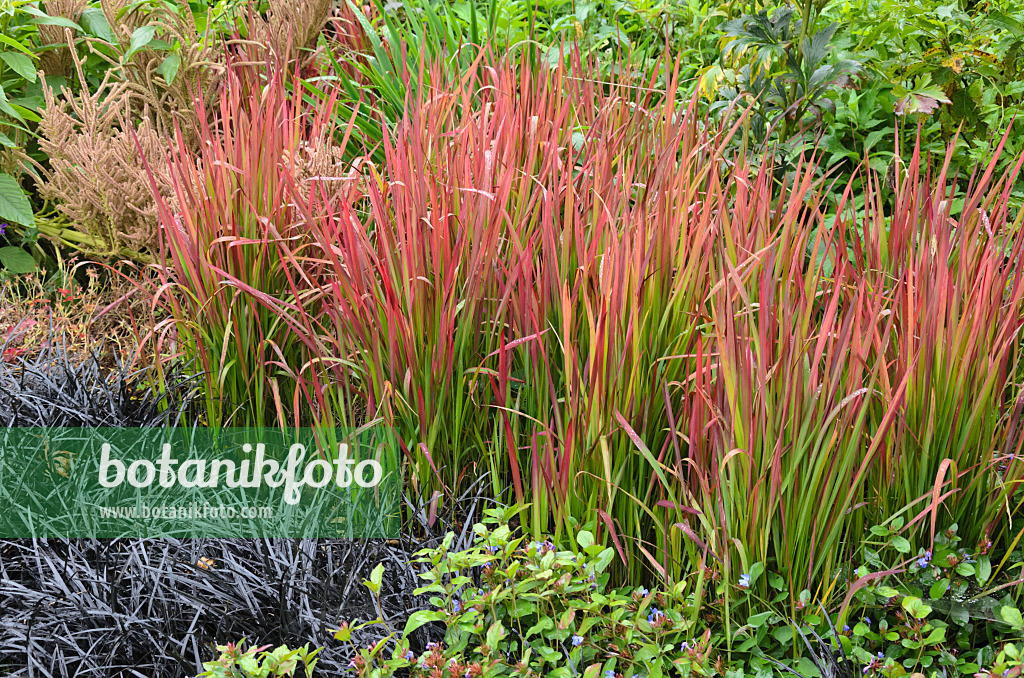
(495,549)
(846,628)
(457,606)
(610,673)
(642,591)
(3,228)
(655,616)
(867,620)
(684,646)
(409,655)
(922,563)
(577,641)
(745,581)
(881,655)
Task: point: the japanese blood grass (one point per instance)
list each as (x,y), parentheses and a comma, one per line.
(957,297)
(520,294)
(237,229)
(835,391)
(776,411)
(560,282)
(605,308)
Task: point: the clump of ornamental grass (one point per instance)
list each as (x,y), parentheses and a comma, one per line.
(156,607)
(558,280)
(232,243)
(58,387)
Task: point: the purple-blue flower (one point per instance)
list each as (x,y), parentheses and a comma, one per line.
(642,591)
(577,641)
(409,655)
(745,581)
(457,606)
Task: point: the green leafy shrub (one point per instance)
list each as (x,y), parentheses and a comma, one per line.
(771,62)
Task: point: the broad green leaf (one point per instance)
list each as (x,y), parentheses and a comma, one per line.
(916,607)
(938,589)
(543,624)
(6,107)
(376,576)
(17,260)
(14,205)
(11,42)
(169,67)
(984,569)
(756,570)
(965,570)
(421,617)
(1012,616)
(495,634)
(756,620)
(56,21)
(20,64)
(95,23)
(6,141)
(901,544)
(585,539)
(141,36)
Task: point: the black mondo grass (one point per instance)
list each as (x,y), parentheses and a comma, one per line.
(830,662)
(156,607)
(58,388)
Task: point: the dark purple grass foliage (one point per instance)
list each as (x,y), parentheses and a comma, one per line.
(156,607)
(58,388)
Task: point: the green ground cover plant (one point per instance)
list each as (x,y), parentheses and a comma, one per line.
(513,606)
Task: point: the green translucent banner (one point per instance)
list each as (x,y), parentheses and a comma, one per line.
(201,482)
